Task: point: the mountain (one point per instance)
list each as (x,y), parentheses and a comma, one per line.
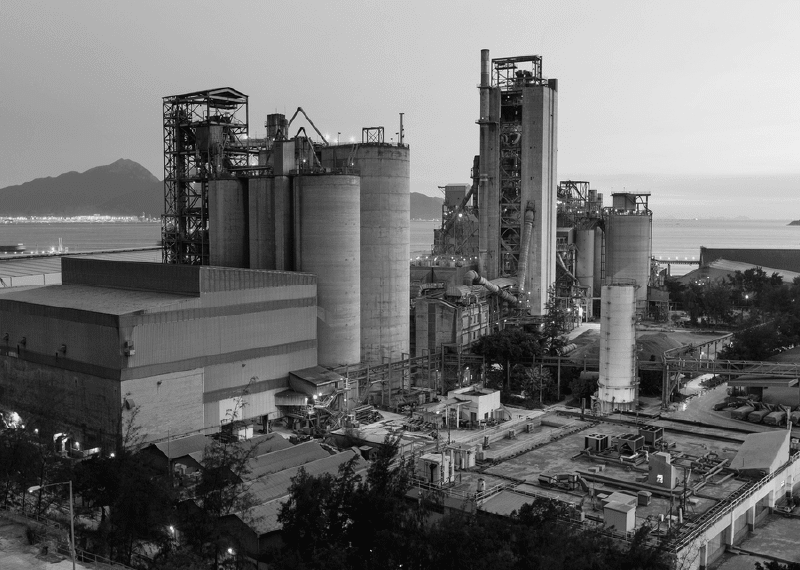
(124,187)
(425,207)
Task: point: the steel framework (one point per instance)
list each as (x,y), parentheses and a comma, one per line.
(205,135)
(511,74)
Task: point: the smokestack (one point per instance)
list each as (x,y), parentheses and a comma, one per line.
(486,82)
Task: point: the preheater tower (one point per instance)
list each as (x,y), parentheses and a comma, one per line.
(385,241)
(518,118)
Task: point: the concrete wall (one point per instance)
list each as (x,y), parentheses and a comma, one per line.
(166,404)
(87,405)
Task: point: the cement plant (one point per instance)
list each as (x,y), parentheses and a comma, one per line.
(287,315)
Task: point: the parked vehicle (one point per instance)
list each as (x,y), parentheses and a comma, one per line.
(758,416)
(742,412)
(777,418)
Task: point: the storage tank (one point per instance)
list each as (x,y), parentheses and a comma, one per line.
(584,266)
(597,281)
(328,245)
(617,382)
(628,251)
(271,223)
(385,244)
(228,236)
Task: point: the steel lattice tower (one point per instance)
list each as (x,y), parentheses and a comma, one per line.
(205,134)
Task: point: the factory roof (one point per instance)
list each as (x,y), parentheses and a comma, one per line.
(316,375)
(721,268)
(764,451)
(506,502)
(782,259)
(276,485)
(26,270)
(102,300)
(294,456)
(182,446)
(265,516)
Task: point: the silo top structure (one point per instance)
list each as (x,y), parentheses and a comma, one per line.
(517,169)
(385,241)
(204,134)
(629,242)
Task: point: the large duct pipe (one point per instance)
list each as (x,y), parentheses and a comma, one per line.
(527,230)
(472,278)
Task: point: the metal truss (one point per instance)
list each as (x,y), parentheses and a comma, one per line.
(205,135)
(511,73)
(371,135)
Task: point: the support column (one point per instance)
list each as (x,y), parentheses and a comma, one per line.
(703,556)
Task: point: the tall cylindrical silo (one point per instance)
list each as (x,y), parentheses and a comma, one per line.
(228,234)
(617,388)
(271,223)
(385,244)
(584,266)
(328,228)
(597,281)
(628,251)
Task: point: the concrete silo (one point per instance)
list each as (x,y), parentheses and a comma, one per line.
(385,244)
(227,223)
(271,223)
(328,245)
(629,243)
(617,385)
(584,266)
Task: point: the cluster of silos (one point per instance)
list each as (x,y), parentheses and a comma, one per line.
(385,219)
(629,244)
(347,222)
(617,384)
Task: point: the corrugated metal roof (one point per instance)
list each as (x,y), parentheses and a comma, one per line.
(317,375)
(98,299)
(286,458)
(182,446)
(276,485)
(721,268)
(267,443)
(265,516)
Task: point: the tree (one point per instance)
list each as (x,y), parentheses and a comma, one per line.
(583,387)
(222,490)
(135,503)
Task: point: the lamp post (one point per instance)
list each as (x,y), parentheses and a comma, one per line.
(71,514)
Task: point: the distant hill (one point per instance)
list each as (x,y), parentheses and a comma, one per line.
(124,187)
(425,207)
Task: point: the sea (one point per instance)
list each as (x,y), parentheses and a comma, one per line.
(672,238)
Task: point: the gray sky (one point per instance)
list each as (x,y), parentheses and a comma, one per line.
(688,88)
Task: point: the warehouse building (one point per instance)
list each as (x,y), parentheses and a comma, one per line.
(175,348)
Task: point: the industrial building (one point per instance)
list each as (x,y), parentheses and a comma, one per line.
(178,349)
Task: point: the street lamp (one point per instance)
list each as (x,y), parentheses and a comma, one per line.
(71,514)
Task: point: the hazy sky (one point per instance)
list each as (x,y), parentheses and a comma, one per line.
(689,88)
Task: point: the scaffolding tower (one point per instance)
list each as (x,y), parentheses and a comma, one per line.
(205,136)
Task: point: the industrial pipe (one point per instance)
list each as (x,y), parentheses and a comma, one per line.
(472,278)
(522,268)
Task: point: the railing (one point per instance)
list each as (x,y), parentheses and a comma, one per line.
(710,517)
(62,544)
